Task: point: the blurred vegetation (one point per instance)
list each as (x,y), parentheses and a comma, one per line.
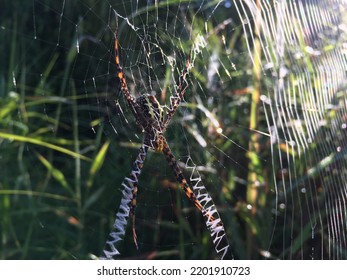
(62,164)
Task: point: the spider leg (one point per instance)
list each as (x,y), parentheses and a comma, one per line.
(213,221)
(135,173)
(132,214)
(176,98)
(170,158)
(124,87)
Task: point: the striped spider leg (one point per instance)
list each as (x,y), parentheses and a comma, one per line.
(149,115)
(123,84)
(203,202)
(177,97)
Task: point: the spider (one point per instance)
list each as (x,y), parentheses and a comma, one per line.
(153,121)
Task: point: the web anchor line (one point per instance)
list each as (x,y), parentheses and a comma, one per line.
(125,209)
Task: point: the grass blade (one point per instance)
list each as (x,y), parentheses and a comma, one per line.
(56,173)
(97,163)
(39,142)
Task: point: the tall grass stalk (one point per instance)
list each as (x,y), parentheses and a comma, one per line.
(255,179)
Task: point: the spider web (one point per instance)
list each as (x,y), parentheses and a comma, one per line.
(263,121)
